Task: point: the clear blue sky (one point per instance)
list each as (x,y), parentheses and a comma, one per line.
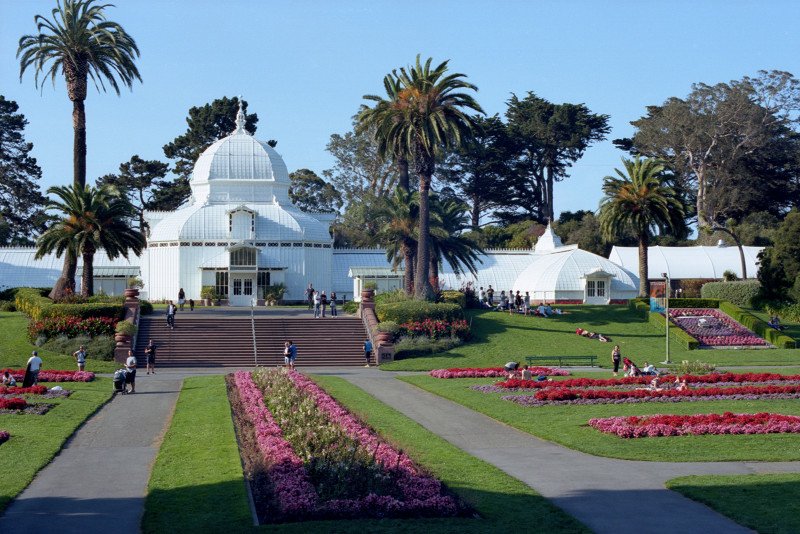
(303,66)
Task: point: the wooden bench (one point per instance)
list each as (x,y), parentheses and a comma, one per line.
(562,360)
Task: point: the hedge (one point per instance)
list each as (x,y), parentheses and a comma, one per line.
(35,305)
(351,307)
(418,310)
(782,341)
(675,332)
(738,293)
(145,308)
(454,297)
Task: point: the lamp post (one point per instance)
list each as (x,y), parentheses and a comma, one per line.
(666,313)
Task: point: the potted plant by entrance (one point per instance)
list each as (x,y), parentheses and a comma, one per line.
(124,331)
(207,293)
(368,290)
(385,332)
(274,294)
(134,284)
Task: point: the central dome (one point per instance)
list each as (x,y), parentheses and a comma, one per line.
(240,167)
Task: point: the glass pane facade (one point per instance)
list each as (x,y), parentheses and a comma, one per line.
(243,257)
(263,282)
(221,284)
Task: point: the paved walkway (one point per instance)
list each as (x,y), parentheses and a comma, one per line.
(98,481)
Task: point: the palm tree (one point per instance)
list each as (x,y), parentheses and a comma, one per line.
(379,119)
(80,43)
(448,244)
(93,219)
(429,115)
(398,232)
(642,199)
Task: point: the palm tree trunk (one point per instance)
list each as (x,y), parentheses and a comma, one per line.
(79,143)
(434,272)
(644,285)
(66,282)
(408,259)
(87,280)
(422,288)
(549,212)
(402,173)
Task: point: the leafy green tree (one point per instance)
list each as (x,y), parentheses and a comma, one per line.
(91,220)
(21,200)
(80,44)
(136,179)
(398,231)
(549,138)
(641,198)
(431,115)
(206,124)
(358,223)
(732,144)
(478,171)
(449,244)
(311,193)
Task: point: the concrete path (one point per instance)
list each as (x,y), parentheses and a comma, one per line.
(99,480)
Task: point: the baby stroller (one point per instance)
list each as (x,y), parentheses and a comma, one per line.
(630,369)
(121,381)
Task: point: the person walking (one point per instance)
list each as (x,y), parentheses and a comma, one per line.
(181,298)
(481,298)
(130,365)
(323,302)
(80,357)
(171,315)
(367,351)
(309,296)
(490,295)
(616,357)
(316,304)
(32,370)
(526,303)
(293,354)
(333,304)
(150,352)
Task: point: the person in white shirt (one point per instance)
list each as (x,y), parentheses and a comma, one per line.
(130,365)
(80,357)
(35,365)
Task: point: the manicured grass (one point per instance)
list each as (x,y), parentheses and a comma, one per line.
(197,483)
(764,503)
(500,337)
(569,425)
(15,349)
(178,503)
(36,439)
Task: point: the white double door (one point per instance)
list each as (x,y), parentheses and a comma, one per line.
(242,289)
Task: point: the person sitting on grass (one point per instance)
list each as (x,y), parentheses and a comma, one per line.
(511,369)
(681,385)
(526,373)
(542,310)
(503,301)
(9,380)
(548,310)
(775,323)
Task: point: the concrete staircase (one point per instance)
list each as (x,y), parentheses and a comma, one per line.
(221,341)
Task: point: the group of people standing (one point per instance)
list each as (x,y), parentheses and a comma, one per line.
(320,301)
(514,303)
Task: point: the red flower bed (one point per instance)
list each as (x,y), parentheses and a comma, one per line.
(561,394)
(491,372)
(33,390)
(436,328)
(713,378)
(677,425)
(53,376)
(15,403)
(71,326)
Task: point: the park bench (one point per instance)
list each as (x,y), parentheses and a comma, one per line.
(562,360)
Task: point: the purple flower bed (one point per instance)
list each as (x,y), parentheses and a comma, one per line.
(32,408)
(713,328)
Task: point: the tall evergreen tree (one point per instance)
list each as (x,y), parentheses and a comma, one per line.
(21,200)
(137,178)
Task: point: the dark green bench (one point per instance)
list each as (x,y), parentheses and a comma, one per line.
(562,360)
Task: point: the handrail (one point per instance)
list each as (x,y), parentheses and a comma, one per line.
(253,327)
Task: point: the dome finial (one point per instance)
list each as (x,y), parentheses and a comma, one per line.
(240,119)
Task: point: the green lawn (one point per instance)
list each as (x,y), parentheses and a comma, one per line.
(568,425)
(202,422)
(15,349)
(500,337)
(764,503)
(36,439)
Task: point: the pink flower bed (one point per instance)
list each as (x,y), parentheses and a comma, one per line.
(292,487)
(491,372)
(53,376)
(695,380)
(296,495)
(713,328)
(4,435)
(679,425)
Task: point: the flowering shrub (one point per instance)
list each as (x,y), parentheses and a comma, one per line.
(491,372)
(14,403)
(53,376)
(71,326)
(4,435)
(679,425)
(713,328)
(324,463)
(436,328)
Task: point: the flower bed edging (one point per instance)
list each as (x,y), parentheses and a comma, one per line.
(491,372)
(679,425)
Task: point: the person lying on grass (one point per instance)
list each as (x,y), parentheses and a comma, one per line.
(592,335)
